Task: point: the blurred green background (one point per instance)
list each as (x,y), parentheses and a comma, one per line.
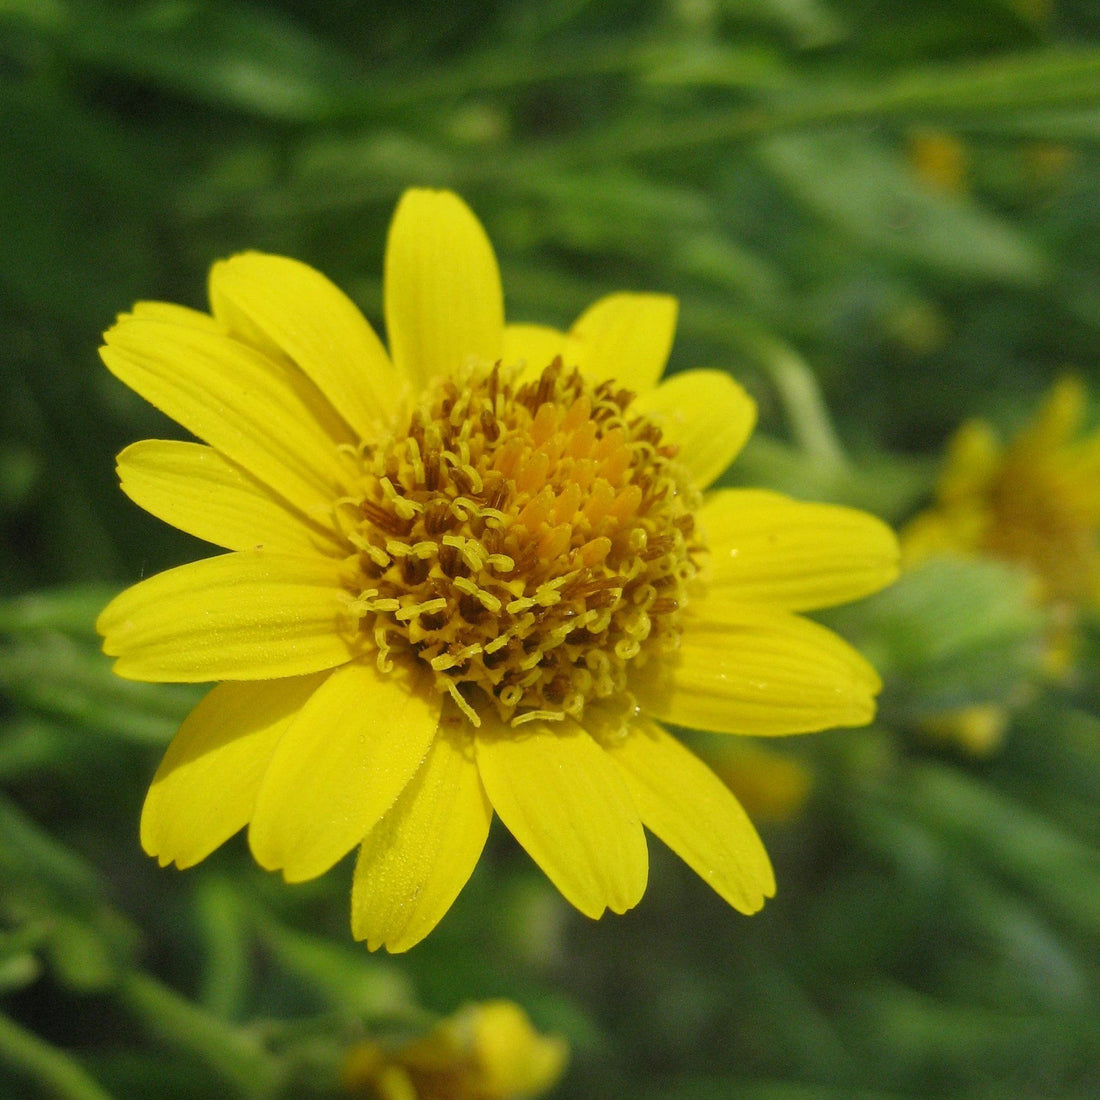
(882,218)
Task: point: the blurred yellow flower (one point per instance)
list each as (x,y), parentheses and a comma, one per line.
(938,159)
(771,786)
(470,575)
(1033,502)
(486,1051)
(979,729)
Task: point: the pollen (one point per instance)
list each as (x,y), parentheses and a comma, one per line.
(527,540)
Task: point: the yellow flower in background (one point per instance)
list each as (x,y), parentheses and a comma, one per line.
(771,786)
(486,1051)
(1034,502)
(979,729)
(938,159)
(470,575)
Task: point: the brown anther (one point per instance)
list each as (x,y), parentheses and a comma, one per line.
(547,384)
(655,547)
(431,470)
(471,609)
(462,480)
(490,428)
(450,561)
(495,491)
(492,383)
(437,518)
(557,689)
(381,517)
(414,571)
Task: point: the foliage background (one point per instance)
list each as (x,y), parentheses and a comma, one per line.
(892,205)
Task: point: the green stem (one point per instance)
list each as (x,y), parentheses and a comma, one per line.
(52,1068)
(238,1057)
(225,976)
(801,399)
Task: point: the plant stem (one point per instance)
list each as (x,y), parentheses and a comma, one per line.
(50,1067)
(238,1057)
(800,396)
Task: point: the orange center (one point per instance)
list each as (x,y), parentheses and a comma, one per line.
(526,540)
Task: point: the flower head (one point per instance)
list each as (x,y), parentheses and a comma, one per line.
(486,1051)
(470,575)
(1034,502)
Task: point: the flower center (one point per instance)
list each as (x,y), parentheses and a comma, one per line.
(1039,520)
(528,541)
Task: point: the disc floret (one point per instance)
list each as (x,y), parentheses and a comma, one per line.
(528,540)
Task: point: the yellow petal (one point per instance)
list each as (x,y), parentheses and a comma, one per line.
(179,315)
(195,489)
(206,785)
(283,306)
(768,549)
(949,532)
(974,459)
(443,299)
(246,616)
(340,766)
(566,803)
(695,814)
(235,399)
(1057,421)
(753,671)
(626,337)
(707,415)
(414,862)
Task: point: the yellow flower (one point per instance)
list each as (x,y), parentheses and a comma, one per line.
(979,729)
(1034,502)
(770,786)
(486,1051)
(468,576)
(938,159)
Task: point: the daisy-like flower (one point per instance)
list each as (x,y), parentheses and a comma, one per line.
(1034,501)
(472,575)
(486,1051)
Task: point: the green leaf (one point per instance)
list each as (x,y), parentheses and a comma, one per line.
(951,94)
(811,24)
(855,184)
(1057,868)
(29,855)
(717,65)
(64,678)
(246,57)
(948,634)
(72,610)
(76,242)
